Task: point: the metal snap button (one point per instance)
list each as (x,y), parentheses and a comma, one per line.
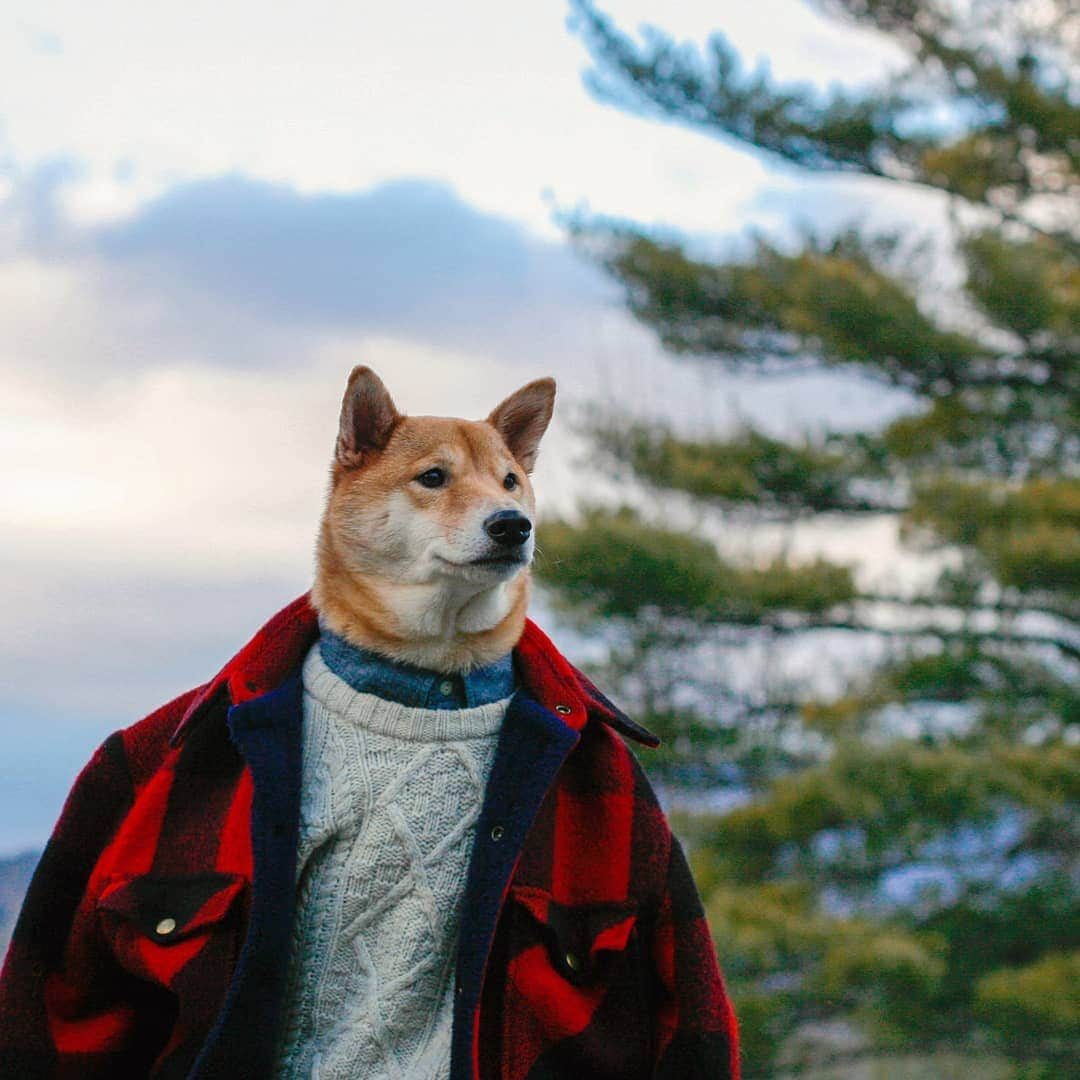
(165,927)
(497,833)
(564,709)
(573,961)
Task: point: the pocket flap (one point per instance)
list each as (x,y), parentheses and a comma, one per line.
(578,934)
(170,908)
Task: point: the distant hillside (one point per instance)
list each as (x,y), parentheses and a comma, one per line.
(15,875)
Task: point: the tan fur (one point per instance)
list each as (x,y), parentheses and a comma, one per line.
(393,571)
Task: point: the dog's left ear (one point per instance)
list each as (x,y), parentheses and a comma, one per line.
(523,418)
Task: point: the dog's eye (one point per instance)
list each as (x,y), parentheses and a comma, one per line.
(432,478)
(510,482)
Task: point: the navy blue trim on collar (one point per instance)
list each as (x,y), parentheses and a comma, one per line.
(267,732)
(370,673)
(533,744)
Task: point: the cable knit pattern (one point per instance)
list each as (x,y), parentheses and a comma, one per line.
(389,804)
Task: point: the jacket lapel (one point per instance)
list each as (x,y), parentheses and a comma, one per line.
(533,744)
(267,732)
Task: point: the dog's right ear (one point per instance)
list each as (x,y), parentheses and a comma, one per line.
(368,418)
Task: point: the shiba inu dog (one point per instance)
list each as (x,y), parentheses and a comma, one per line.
(425,544)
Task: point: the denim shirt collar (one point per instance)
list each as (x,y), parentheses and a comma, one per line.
(370,673)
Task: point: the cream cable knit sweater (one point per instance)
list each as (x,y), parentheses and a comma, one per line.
(389,804)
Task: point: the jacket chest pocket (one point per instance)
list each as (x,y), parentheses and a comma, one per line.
(577,991)
(156,925)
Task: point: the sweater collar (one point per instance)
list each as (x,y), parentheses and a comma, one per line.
(370,673)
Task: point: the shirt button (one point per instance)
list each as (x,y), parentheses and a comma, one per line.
(564,709)
(165,927)
(573,961)
(497,833)
(446,687)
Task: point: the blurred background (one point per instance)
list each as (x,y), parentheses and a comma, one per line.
(808,274)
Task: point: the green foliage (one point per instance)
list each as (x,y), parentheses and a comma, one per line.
(786,962)
(841,830)
(831,300)
(888,973)
(949,675)
(615,565)
(889,802)
(834,294)
(766,1018)
(1047,557)
(688,742)
(1036,1003)
(1019,142)
(611,563)
(711,90)
(1026,285)
(902,856)
(1013,695)
(1028,535)
(749,468)
(840,303)
(1009,697)
(773,933)
(993,931)
(1003,431)
(968,509)
(1010,408)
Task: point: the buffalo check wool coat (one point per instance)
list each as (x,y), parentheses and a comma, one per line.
(155,934)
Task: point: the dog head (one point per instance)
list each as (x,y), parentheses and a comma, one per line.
(420,498)
(430,512)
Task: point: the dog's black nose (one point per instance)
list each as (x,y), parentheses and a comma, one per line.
(510,528)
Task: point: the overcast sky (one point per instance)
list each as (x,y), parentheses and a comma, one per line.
(209,212)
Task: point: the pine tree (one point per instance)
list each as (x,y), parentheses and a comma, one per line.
(901,859)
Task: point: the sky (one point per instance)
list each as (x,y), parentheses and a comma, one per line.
(210,212)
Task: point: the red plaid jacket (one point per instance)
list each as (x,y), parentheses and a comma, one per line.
(154,935)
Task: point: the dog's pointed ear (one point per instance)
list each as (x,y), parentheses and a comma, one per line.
(368,418)
(523,418)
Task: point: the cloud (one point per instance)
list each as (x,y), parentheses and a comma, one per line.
(41,40)
(32,222)
(220,264)
(374,259)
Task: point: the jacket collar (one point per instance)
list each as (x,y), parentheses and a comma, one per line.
(281,645)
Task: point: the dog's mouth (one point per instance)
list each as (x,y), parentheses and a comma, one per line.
(500,558)
(499,561)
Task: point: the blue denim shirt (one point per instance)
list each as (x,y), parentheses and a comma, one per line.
(370,673)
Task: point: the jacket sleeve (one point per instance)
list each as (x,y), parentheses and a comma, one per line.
(696,1032)
(33,1042)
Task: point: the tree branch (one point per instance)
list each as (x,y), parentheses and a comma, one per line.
(814,623)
